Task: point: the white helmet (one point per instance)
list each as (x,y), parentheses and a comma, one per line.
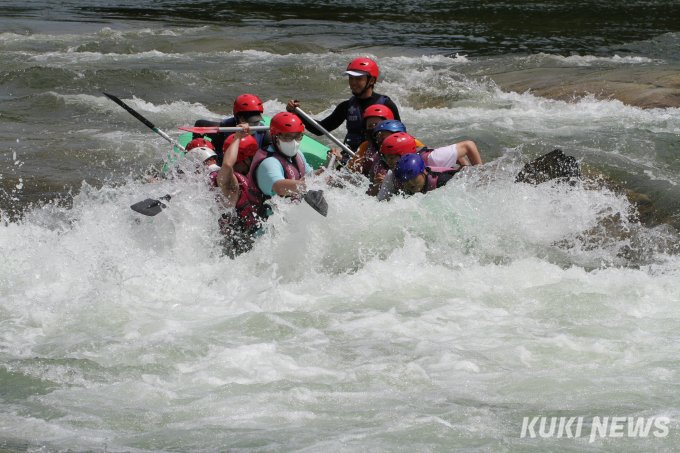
(201,154)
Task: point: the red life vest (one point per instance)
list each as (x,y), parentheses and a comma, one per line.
(248,218)
(291,170)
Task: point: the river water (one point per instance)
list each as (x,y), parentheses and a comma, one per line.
(430,324)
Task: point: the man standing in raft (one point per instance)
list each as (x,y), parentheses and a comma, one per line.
(280,168)
(247,109)
(363,74)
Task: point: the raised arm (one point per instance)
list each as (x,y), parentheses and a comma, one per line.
(226,180)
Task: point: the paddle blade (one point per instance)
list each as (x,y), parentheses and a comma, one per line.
(201,130)
(149,207)
(315,199)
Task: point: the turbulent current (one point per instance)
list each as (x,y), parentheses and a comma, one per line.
(469,319)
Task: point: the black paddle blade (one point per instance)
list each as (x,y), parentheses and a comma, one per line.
(149,207)
(315,199)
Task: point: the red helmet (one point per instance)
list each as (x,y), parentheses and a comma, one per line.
(399,143)
(378,110)
(247,147)
(248,103)
(285,122)
(362,66)
(199,142)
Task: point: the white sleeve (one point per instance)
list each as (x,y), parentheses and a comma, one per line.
(443,157)
(387,187)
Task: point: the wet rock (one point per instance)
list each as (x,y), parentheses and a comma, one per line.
(647,87)
(557,167)
(552,166)
(639,236)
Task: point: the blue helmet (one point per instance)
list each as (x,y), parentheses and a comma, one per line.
(390,125)
(408,167)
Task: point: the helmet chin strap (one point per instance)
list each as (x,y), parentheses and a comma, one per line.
(368,85)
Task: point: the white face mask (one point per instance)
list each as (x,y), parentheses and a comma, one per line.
(289,148)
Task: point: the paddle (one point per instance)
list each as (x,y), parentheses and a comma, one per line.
(151,207)
(315,199)
(216,129)
(148,123)
(324,131)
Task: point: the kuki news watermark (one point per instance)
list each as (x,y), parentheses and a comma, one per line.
(595,427)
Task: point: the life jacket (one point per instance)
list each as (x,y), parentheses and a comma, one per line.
(379,167)
(436,178)
(370,157)
(355,125)
(231,122)
(247,218)
(364,159)
(424,152)
(291,170)
(213,178)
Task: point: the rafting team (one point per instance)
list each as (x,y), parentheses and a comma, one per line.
(250,168)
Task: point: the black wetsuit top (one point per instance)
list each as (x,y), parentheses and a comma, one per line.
(339,115)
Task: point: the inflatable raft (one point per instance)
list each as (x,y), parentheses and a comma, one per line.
(314,152)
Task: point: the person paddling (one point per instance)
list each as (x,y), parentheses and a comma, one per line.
(247,109)
(280,169)
(242,225)
(363,74)
(379,168)
(396,145)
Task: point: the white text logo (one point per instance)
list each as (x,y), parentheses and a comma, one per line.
(573,427)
